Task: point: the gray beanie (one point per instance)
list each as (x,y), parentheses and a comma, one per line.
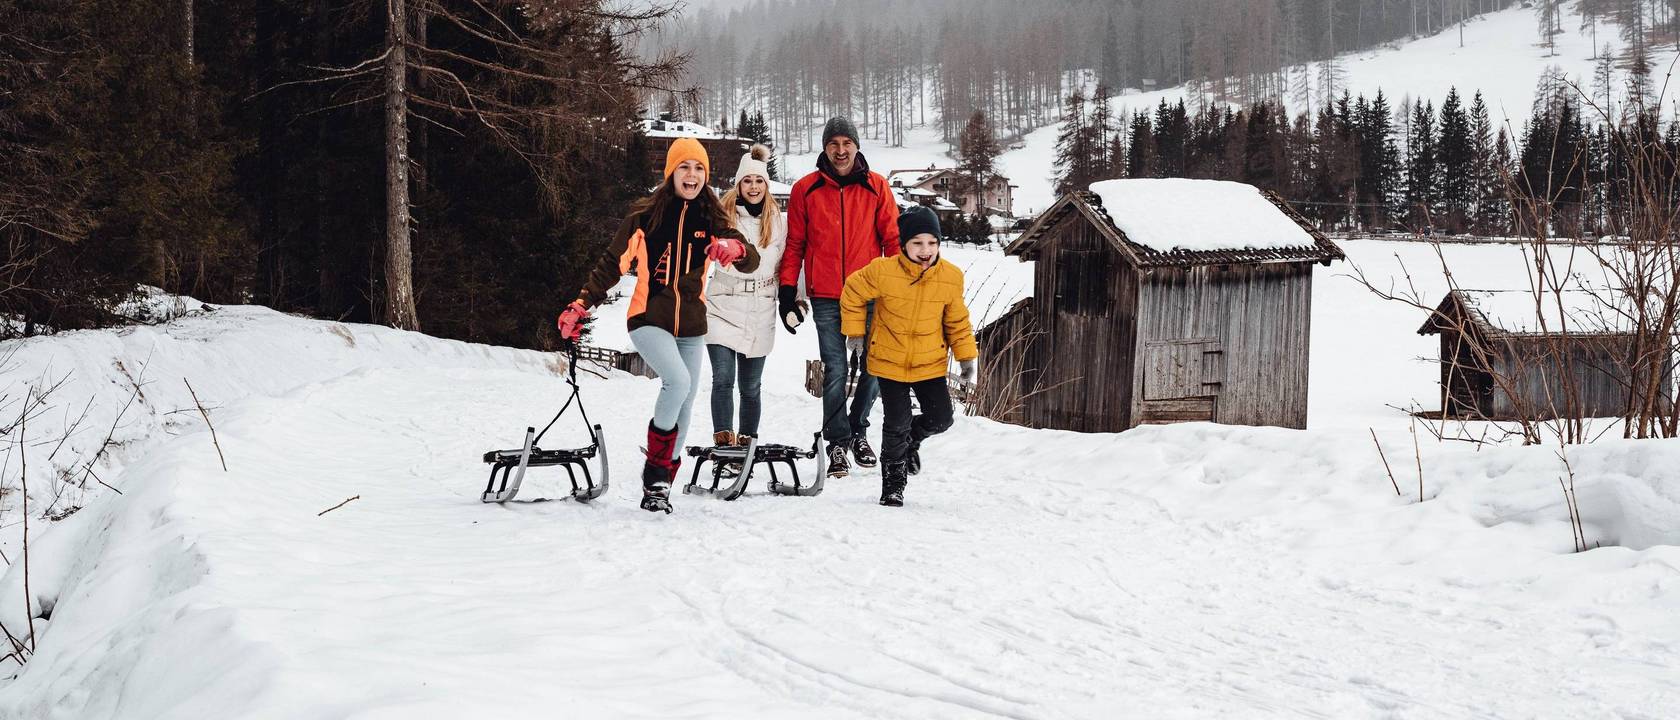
(839,126)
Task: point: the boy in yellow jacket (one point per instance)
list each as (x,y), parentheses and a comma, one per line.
(920,319)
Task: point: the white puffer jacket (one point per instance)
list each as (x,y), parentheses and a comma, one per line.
(741,307)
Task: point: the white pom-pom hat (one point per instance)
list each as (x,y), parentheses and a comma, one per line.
(755,162)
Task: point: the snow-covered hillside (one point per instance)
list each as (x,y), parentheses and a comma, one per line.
(1500,58)
(1182,571)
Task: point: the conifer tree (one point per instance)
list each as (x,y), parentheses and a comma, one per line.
(978,150)
(1456,165)
(1072,157)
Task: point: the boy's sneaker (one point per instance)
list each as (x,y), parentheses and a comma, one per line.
(860,449)
(837,465)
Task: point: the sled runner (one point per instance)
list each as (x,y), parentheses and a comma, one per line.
(769,455)
(511,464)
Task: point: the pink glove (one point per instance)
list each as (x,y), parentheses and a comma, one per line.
(725,251)
(571,321)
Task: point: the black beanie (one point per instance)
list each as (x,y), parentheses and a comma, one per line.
(839,126)
(918,220)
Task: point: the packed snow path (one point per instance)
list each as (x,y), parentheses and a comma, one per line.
(1031,575)
(1185,571)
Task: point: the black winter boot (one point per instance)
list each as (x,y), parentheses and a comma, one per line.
(893,479)
(913,458)
(659,470)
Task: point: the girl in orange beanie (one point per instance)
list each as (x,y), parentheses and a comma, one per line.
(670,241)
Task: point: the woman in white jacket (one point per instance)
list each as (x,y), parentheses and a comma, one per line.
(741,307)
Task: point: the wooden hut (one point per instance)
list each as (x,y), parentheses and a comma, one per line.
(1156,301)
(1518,354)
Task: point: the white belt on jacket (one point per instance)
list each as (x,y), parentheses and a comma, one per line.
(741,286)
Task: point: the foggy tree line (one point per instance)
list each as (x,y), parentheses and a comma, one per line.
(1374,164)
(432,164)
(894,65)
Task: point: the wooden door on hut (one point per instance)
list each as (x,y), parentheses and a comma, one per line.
(1181,380)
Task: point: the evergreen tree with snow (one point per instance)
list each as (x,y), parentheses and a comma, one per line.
(1494,210)
(1485,179)
(1100,130)
(1421,168)
(979,229)
(1379,160)
(1172,137)
(978,149)
(1456,164)
(1335,163)
(1141,157)
(1072,158)
(1117,155)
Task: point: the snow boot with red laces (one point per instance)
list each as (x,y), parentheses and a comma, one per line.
(660,470)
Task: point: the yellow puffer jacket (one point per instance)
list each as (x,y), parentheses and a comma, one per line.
(919,317)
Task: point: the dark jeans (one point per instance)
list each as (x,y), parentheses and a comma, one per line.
(838,425)
(727,367)
(900,430)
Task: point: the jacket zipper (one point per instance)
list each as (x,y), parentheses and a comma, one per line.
(842,190)
(921,292)
(670,270)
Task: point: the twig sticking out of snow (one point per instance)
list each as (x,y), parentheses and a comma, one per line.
(1577,533)
(1418,453)
(206,415)
(335,507)
(1386,468)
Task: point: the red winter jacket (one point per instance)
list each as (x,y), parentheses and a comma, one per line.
(835,228)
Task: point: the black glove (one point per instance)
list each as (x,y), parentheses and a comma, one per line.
(788,307)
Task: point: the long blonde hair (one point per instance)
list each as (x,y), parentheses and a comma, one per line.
(772,210)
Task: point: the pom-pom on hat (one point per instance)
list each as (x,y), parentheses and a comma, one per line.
(755,162)
(685,149)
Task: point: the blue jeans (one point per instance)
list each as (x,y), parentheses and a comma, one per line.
(727,366)
(677,362)
(838,425)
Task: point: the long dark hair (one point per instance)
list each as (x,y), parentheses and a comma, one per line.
(652,209)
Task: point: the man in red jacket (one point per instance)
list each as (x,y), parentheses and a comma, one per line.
(839,219)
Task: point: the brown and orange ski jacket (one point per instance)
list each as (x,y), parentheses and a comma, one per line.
(670,265)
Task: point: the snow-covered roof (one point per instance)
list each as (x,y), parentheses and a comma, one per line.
(942,204)
(780,189)
(920,192)
(910,178)
(679,128)
(1527,312)
(1171,214)
(1174,222)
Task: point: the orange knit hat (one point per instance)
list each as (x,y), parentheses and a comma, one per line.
(684,149)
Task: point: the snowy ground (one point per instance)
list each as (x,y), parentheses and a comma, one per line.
(1185,571)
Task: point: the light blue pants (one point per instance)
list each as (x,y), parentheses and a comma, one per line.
(677,362)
